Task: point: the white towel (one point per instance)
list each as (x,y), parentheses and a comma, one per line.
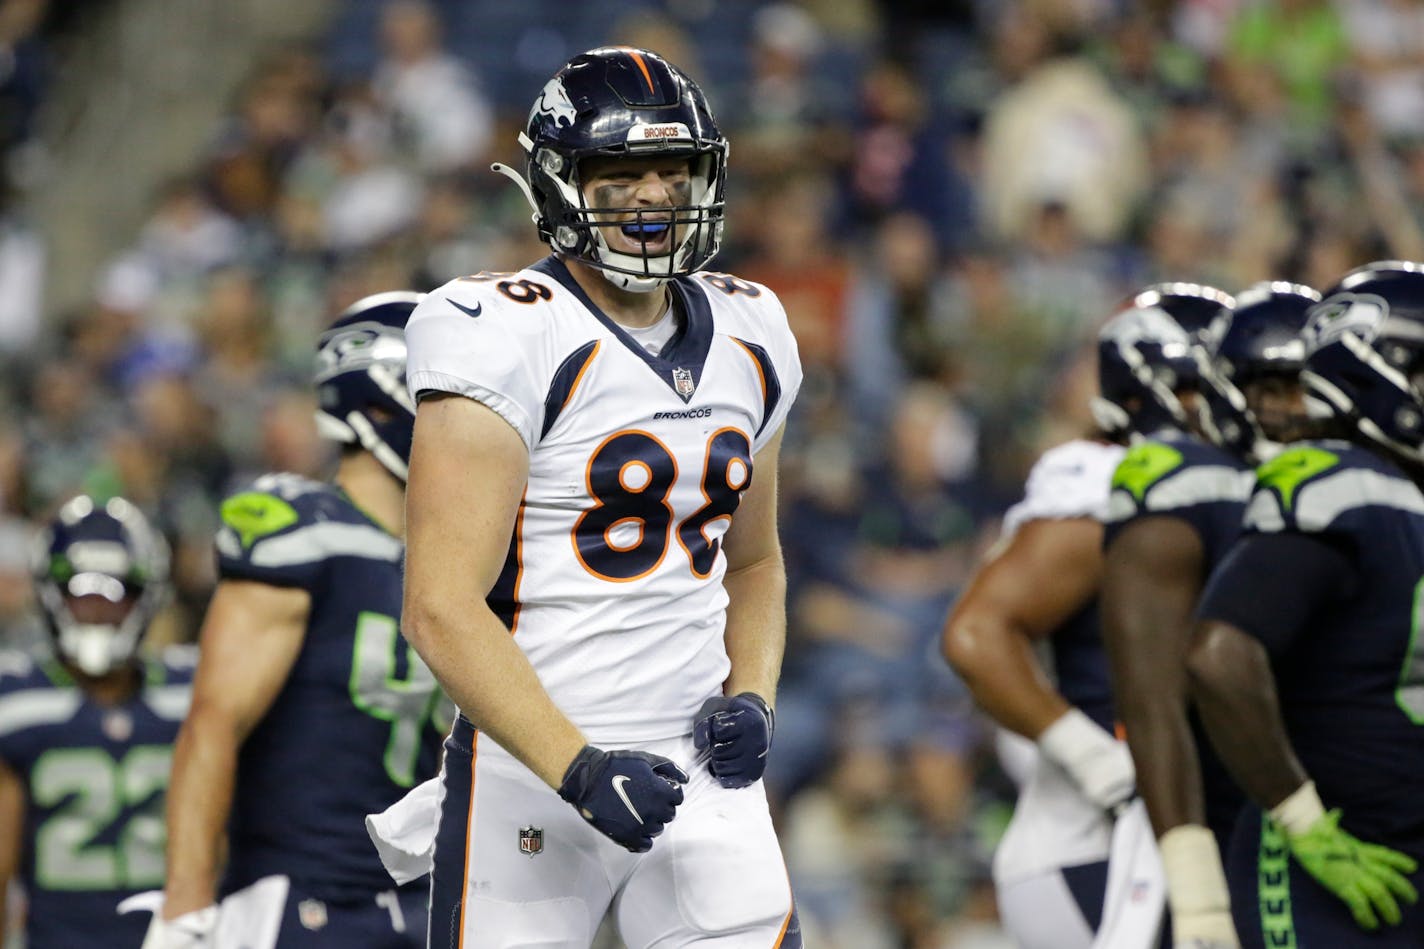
(404,833)
(250,918)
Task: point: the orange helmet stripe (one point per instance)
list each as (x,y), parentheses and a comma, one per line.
(647,76)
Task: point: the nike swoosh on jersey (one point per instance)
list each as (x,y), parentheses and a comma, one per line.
(464,309)
(618,781)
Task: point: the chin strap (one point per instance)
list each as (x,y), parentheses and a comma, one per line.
(523,185)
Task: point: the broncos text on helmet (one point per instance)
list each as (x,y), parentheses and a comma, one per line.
(1148,352)
(615,102)
(360,379)
(105,555)
(1364,353)
(1257,343)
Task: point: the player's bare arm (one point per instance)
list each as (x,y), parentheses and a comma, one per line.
(756,584)
(468,470)
(250,638)
(1048,571)
(1151,580)
(1235,692)
(12,826)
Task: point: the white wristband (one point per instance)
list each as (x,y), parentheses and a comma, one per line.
(1072,737)
(1191,862)
(1300,810)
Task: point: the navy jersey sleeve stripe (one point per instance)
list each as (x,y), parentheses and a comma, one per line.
(566,381)
(770,381)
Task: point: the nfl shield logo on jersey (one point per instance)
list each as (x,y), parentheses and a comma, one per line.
(312,914)
(682,382)
(531,840)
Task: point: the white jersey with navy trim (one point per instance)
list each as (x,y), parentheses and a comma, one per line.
(636,463)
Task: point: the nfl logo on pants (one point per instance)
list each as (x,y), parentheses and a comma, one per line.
(531,840)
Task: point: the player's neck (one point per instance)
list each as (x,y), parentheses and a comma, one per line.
(116,688)
(379,494)
(623,307)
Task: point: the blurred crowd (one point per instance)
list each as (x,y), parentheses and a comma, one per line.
(948,198)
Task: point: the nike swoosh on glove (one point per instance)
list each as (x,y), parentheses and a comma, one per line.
(192,930)
(735,735)
(1369,878)
(627,796)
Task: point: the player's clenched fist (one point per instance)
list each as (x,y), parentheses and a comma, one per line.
(626,795)
(735,735)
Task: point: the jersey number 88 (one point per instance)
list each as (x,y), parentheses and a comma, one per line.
(628,531)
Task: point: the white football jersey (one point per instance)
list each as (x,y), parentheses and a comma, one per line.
(613,586)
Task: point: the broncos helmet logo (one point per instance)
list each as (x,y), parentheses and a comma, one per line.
(554,102)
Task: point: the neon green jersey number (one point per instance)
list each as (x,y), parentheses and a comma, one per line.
(98,789)
(1409,693)
(405,703)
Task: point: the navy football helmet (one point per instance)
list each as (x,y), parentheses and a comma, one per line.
(360,379)
(1364,349)
(623,102)
(1259,339)
(101,575)
(1148,352)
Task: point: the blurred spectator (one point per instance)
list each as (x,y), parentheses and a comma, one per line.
(1298,45)
(900,157)
(436,106)
(797,254)
(20,627)
(1387,39)
(1063,137)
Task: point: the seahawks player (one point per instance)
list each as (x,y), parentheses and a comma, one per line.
(1175,505)
(1306,663)
(310,710)
(86,736)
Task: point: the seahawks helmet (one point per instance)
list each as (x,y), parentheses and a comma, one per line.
(1147,352)
(1364,344)
(360,379)
(620,101)
(1260,338)
(105,550)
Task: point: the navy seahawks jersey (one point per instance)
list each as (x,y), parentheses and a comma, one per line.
(1179,476)
(1351,683)
(94,778)
(1176,475)
(358,721)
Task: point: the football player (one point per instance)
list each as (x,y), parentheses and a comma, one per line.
(1177,504)
(586,430)
(1040,585)
(86,736)
(310,709)
(1305,663)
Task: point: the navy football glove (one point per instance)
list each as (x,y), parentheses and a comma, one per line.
(735,735)
(626,795)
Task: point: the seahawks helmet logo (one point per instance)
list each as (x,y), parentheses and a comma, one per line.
(554,102)
(1360,314)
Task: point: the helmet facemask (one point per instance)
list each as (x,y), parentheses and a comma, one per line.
(101,577)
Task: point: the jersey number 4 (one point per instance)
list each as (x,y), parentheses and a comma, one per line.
(377,689)
(629,529)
